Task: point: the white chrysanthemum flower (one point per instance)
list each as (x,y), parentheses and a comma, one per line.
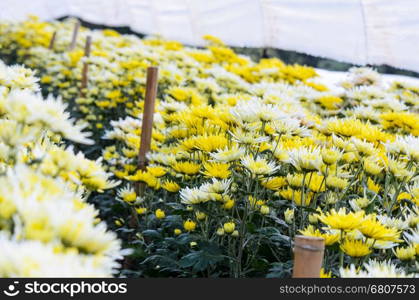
(248,137)
(228,154)
(166,159)
(379,244)
(28,108)
(407,145)
(374,269)
(362,93)
(193,196)
(30,258)
(255,110)
(364,76)
(359,203)
(46,210)
(364,113)
(363,147)
(216,186)
(210,191)
(172,106)
(413,237)
(207,84)
(245,111)
(18,77)
(386,104)
(259,166)
(393,222)
(14,134)
(290,127)
(306,159)
(225,77)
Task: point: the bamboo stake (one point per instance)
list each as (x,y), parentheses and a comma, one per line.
(87,46)
(84,77)
(74,37)
(146,131)
(308,256)
(148,114)
(147,126)
(52,41)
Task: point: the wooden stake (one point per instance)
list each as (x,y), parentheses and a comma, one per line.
(74,37)
(148,114)
(84,77)
(87,46)
(147,126)
(308,256)
(146,131)
(52,41)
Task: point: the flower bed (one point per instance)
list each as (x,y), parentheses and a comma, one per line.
(47,227)
(244,155)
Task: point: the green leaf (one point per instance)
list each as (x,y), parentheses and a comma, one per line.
(183,239)
(172,221)
(309,209)
(202,259)
(274,235)
(152,234)
(176,206)
(278,221)
(125,230)
(280,270)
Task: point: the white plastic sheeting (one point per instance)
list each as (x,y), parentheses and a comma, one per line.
(356,31)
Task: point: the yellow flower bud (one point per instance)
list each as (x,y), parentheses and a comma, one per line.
(313,218)
(264,209)
(220,231)
(235,233)
(141,210)
(229,227)
(228,204)
(289,215)
(177,231)
(160,214)
(189,225)
(200,215)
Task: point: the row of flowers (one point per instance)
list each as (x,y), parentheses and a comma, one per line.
(47,229)
(244,155)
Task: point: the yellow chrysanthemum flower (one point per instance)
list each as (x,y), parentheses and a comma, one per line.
(274,183)
(171,186)
(372,228)
(341,219)
(355,248)
(329,102)
(405,253)
(217,170)
(186,167)
(329,238)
